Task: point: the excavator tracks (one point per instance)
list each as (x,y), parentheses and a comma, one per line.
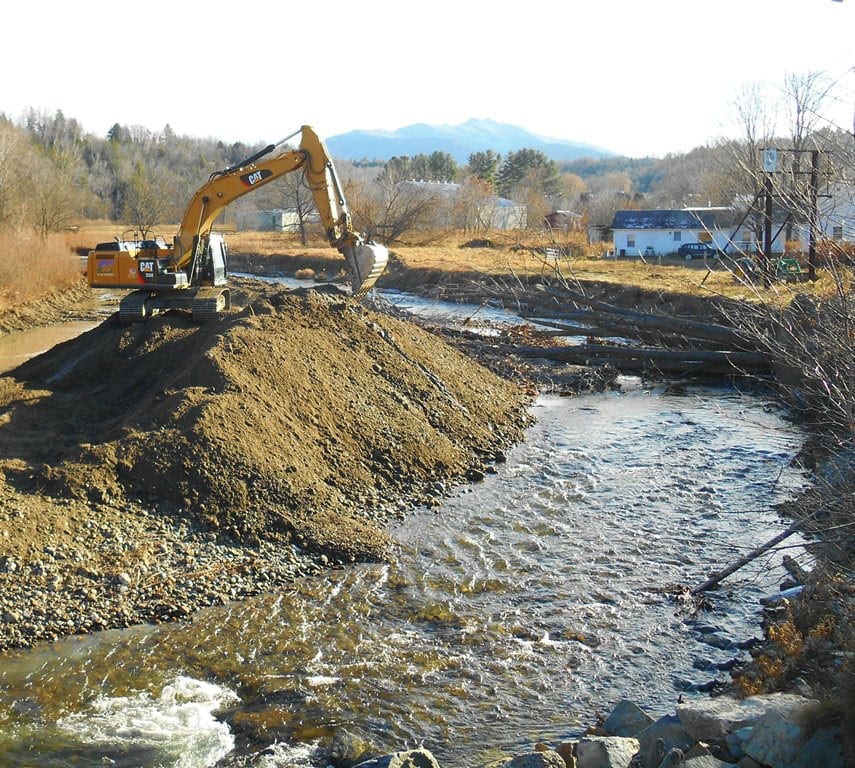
(209,303)
(132,308)
(205,304)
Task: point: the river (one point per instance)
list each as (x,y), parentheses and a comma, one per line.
(516,611)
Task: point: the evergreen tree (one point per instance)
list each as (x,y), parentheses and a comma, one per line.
(528,164)
(485,166)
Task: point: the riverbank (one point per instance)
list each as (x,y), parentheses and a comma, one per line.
(176,579)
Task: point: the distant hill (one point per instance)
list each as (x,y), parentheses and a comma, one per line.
(459,141)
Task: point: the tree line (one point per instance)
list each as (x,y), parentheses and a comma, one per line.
(52,174)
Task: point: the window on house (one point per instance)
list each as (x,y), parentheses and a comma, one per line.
(678,236)
(630,241)
(837,233)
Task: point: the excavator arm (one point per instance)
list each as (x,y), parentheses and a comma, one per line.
(366,261)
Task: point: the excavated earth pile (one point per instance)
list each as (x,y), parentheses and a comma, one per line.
(303,418)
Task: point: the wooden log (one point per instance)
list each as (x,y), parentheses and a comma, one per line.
(690,327)
(565,329)
(721,575)
(575,353)
(659,327)
(795,570)
(615,329)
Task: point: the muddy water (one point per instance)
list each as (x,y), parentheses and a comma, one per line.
(18,347)
(517,611)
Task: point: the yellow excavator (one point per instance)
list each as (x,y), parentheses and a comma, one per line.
(192,272)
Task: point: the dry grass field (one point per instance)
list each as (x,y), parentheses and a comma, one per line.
(31,267)
(37,273)
(521,258)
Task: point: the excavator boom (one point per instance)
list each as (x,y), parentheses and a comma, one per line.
(197,258)
(366,261)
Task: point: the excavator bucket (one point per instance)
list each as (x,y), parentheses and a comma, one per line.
(366,262)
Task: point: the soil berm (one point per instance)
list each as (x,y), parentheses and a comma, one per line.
(304,420)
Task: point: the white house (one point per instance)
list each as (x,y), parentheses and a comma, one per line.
(273,220)
(835,215)
(661,232)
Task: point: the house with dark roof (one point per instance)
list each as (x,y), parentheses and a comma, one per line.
(661,232)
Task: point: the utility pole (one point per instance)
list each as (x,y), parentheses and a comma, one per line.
(813,213)
(770,166)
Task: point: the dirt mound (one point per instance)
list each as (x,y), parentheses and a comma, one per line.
(305,417)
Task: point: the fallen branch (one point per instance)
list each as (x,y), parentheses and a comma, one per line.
(639,358)
(717,578)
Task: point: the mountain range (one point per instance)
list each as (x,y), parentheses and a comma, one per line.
(459,141)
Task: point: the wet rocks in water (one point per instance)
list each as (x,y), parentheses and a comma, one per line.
(627,719)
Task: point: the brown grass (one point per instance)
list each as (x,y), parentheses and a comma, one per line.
(512,257)
(31,268)
(516,254)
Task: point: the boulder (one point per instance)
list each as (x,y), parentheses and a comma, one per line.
(704,756)
(711,720)
(674,759)
(778,740)
(736,740)
(546,759)
(605,752)
(705,761)
(627,719)
(347,749)
(567,750)
(672,734)
(410,758)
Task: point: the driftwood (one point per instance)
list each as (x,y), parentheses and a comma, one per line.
(671,331)
(644,358)
(799,574)
(670,344)
(717,578)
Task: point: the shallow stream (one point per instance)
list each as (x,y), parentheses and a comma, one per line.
(517,611)
(18,347)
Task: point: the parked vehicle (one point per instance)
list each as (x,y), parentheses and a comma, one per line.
(699,250)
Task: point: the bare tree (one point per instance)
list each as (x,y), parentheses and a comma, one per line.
(406,208)
(53,201)
(737,160)
(472,208)
(14,150)
(804,96)
(150,198)
(295,195)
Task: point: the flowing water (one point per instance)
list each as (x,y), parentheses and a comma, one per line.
(517,611)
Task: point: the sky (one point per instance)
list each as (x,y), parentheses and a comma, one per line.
(636,77)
